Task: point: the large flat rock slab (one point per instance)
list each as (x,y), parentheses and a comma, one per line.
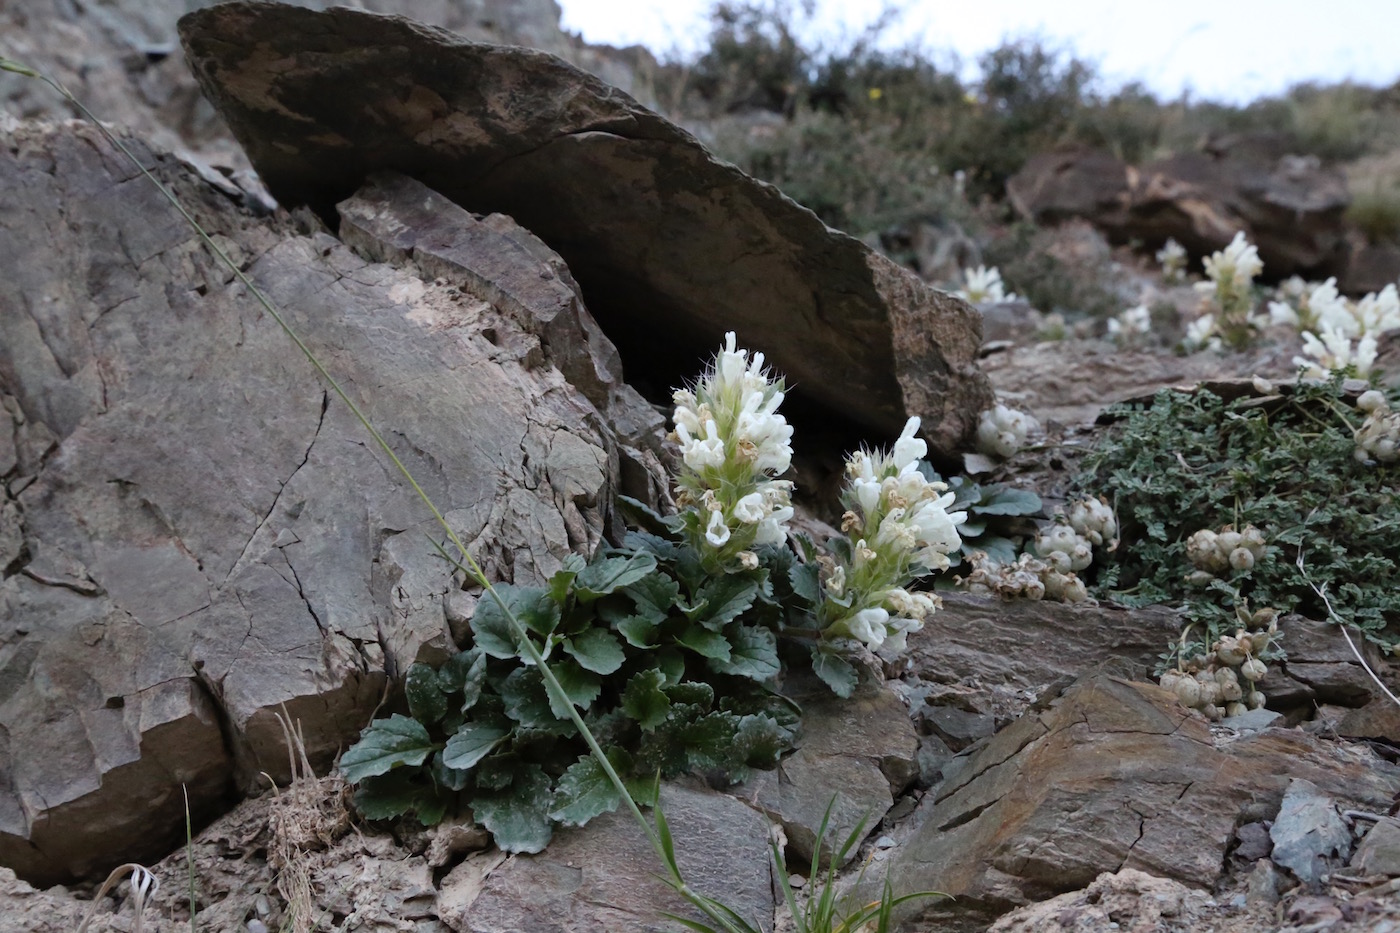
(671,246)
(1112,775)
(206,537)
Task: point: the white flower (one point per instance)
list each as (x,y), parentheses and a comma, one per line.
(751,509)
(717,532)
(1200,333)
(1378,313)
(937,531)
(1236,265)
(1378,438)
(897,630)
(1332,350)
(868,626)
(909,449)
(1172,256)
(983,286)
(1130,324)
(701,452)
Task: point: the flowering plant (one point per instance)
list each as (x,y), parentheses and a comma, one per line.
(734,445)
(1228,314)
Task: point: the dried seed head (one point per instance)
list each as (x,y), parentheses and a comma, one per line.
(1253,670)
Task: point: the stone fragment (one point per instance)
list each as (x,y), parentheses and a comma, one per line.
(1379,851)
(605,876)
(854,756)
(1309,834)
(671,246)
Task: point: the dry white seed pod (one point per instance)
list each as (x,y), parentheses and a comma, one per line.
(1188,691)
(1229,652)
(1200,548)
(1228,540)
(1242,558)
(1253,670)
(1231,692)
(1199,577)
(1214,713)
(1256,700)
(1236,709)
(1210,692)
(1094,519)
(1371,400)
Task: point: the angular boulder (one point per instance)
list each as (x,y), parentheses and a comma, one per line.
(671,246)
(1291,207)
(207,537)
(1111,775)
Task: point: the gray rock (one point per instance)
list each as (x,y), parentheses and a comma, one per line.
(1309,834)
(1109,775)
(1252,721)
(671,246)
(210,539)
(854,756)
(1379,851)
(606,877)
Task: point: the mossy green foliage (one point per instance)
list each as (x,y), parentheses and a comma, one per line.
(1284,464)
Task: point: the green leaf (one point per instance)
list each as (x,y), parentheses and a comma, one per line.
(758,742)
(836,672)
(582,687)
(471,743)
(806,582)
(1002,550)
(386,744)
(596,650)
(655,596)
(563,578)
(644,790)
(518,815)
(709,739)
(662,548)
(725,598)
(426,700)
(671,662)
(464,673)
(453,779)
(705,642)
(585,790)
(526,702)
(692,693)
(399,794)
(532,607)
(1006,500)
(611,573)
(639,632)
(643,699)
(753,654)
(640,514)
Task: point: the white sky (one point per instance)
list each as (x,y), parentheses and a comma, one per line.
(1227,50)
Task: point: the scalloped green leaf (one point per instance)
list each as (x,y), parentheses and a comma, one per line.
(563,579)
(753,654)
(426,701)
(725,599)
(386,744)
(597,650)
(471,743)
(836,672)
(704,642)
(612,573)
(644,700)
(585,790)
(523,693)
(518,815)
(581,686)
(1007,500)
(639,632)
(465,673)
(398,794)
(655,596)
(532,607)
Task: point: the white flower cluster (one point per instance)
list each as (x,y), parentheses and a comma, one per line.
(1130,325)
(1027,577)
(899,527)
(1378,438)
(1172,257)
(1215,553)
(1211,683)
(1336,332)
(1231,273)
(734,445)
(984,286)
(1002,431)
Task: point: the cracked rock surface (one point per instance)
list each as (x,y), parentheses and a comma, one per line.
(1110,775)
(671,246)
(196,535)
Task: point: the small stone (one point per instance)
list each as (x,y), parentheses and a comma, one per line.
(1308,832)
(797,882)
(1379,851)
(256,926)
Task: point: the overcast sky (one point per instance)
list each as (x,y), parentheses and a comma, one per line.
(1228,51)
